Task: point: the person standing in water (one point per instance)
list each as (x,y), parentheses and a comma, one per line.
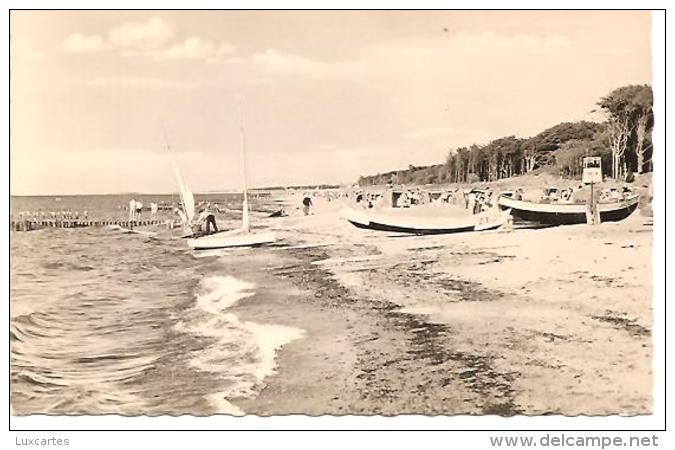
(139,210)
(132,210)
(153,211)
(306,204)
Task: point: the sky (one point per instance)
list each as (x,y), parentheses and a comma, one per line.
(326,96)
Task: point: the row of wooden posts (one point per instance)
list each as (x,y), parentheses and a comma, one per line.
(29,225)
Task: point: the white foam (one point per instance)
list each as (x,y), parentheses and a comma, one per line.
(245,352)
(269,339)
(218,293)
(222,406)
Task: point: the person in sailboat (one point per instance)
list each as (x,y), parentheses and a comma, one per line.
(208,218)
(181,215)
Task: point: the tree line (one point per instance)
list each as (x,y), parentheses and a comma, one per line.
(623,141)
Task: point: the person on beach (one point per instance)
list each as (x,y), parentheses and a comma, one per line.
(181,215)
(480,202)
(207,217)
(153,211)
(132,209)
(405,199)
(489,201)
(306,204)
(471,202)
(139,210)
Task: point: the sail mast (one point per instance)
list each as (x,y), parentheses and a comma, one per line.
(242,139)
(185,194)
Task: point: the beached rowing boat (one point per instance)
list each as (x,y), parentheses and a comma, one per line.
(425,225)
(566,213)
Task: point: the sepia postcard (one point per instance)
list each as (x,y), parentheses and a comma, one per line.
(333,212)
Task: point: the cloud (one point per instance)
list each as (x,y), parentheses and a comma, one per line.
(406,58)
(80,43)
(276,61)
(150,34)
(127,37)
(149,39)
(195,48)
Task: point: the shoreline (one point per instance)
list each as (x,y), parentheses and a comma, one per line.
(446,325)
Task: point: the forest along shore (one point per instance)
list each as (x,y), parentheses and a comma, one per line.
(555,320)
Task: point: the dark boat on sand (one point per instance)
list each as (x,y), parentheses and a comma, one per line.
(424,225)
(567,213)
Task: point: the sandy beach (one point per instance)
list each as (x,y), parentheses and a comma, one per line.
(546,321)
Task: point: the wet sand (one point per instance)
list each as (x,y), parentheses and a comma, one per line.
(548,321)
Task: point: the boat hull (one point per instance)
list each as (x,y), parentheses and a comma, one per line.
(566,214)
(230,240)
(394,225)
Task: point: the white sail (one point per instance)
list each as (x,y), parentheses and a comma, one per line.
(186,196)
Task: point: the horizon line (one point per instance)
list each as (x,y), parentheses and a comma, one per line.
(215,191)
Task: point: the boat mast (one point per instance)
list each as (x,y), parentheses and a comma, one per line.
(242,139)
(182,189)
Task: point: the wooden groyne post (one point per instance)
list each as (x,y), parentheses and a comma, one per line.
(39,224)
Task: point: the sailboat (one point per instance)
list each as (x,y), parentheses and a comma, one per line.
(187,211)
(241,237)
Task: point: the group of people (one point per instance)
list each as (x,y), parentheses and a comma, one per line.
(478,201)
(368,200)
(413,197)
(136,209)
(559,195)
(580,194)
(409,198)
(204,223)
(614,194)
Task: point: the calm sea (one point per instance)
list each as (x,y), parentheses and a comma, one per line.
(109,323)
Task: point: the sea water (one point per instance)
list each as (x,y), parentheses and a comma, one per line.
(109,323)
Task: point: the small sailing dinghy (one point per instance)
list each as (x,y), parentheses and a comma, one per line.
(242,237)
(187,199)
(425,225)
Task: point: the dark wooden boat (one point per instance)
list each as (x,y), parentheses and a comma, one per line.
(566,213)
(424,225)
